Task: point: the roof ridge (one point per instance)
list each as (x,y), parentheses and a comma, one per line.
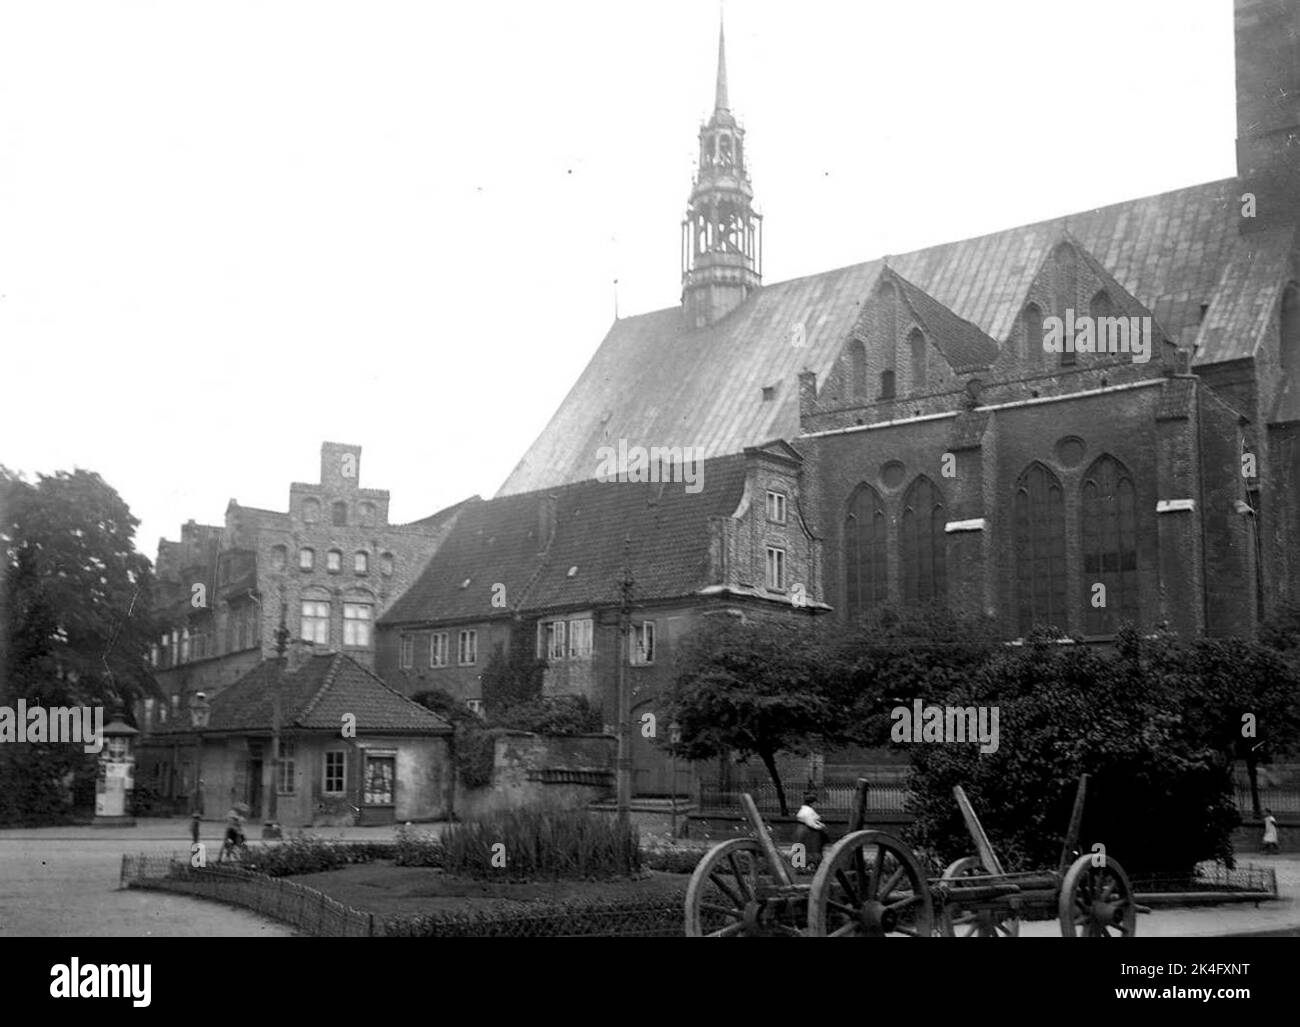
(389,688)
(326,684)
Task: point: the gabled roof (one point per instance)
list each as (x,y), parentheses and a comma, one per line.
(498,542)
(315,697)
(654,381)
(963,345)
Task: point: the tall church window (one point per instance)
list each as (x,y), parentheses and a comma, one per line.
(924,544)
(864,552)
(1109,534)
(1067,289)
(916,344)
(857,369)
(1039,526)
(1032,325)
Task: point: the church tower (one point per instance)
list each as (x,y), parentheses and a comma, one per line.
(722,247)
(1268,109)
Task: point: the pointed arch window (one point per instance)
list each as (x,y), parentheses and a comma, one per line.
(1109,536)
(916,346)
(924,564)
(864,552)
(1067,290)
(1101,306)
(1032,325)
(1039,528)
(857,369)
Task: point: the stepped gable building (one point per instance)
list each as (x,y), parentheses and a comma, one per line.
(551,564)
(326,568)
(948,452)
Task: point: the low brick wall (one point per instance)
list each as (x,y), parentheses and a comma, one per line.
(531,770)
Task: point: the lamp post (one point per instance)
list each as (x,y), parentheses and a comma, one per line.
(200,711)
(674,736)
(624,777)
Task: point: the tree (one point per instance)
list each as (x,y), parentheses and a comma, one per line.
(77,595)
(756,689)
(515,675)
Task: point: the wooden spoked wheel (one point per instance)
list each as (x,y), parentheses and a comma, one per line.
(870,885)
(958,922)
(1097,901)
(733,893)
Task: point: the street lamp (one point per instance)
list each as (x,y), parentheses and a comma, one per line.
(674,736)
(200,712)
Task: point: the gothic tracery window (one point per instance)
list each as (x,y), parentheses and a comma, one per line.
(1039,526)
(864,552)
(924,544)
(1109,534)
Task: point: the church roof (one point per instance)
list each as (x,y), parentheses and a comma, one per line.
(499,542)
(653,381)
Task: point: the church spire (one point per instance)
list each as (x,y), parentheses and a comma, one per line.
(720,102)
(721,233)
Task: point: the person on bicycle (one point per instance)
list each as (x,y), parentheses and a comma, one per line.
(234,832)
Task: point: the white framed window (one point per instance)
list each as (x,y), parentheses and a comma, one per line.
(334,561)
(467,651)
(475,706)
(406,658)
(286,768)
(306,558)
(438,649)
(361,563)
(356,624)
(315,621)
(643,642)
(580,635)
(550,640)
(336,763)
(776,507)
(775,568)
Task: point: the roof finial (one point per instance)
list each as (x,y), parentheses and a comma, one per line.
(720,101)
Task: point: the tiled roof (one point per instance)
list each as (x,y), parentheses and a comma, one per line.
(497,542)
(963,345)
(655,382)
(315,696)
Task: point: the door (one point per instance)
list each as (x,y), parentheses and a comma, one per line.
(254,793)
(378,796)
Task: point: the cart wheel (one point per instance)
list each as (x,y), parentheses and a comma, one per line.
(955,921)
(1097,902)
(725,898)
(870,885)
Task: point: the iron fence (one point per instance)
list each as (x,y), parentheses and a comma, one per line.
(834,796)
(1279,800)
(1214,878)
(306,909)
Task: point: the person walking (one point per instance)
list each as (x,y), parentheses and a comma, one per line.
(1270,831)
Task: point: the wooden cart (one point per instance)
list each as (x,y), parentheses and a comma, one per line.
(871,884)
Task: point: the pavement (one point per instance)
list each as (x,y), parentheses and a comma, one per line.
(63,882)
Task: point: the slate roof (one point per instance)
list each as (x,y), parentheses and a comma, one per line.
(962,344)
(315,697)
(655,382)
(498,542)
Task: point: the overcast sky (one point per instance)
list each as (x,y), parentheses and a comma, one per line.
(231,230)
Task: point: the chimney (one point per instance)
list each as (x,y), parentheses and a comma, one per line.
(299,652)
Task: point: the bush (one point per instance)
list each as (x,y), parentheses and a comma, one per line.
(542,842)
(304,854)
(672,856)
(417,849)
(641,918)
(552,715)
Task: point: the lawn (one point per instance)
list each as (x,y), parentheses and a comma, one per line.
(383,888)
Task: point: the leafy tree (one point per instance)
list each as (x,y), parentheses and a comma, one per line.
(1151,722)
(77,595)
(515,675)
(755,688)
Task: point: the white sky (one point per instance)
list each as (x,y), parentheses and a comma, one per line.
(231,230)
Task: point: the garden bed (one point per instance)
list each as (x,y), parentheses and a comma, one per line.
(386,889)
